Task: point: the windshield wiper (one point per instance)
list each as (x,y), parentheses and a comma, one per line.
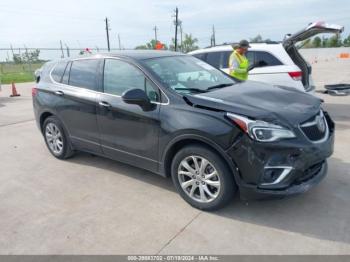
(191,89)
(218,86)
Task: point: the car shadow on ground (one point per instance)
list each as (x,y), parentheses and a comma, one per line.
(322,213)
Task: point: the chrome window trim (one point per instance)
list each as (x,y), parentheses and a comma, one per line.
(99,92)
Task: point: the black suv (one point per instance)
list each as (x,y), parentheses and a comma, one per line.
(177,116)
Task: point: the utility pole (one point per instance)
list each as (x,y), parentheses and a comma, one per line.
(120,46)
(180,25)
(176,25)
(107,32)
(155,33)
(62,56)
(67,49)
(214,36)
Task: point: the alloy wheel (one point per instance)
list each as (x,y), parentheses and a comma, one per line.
(199,179)
(54,138)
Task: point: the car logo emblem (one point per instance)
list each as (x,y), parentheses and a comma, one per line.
(320,124)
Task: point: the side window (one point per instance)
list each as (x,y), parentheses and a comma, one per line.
(200,56)
(65,77)
(266,59)
(227,54)
(58,71)
(250,56)
(83,73)
(120,76)
(213,58)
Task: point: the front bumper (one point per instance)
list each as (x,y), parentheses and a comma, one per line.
(303,161)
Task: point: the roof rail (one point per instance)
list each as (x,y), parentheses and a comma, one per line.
(236,43)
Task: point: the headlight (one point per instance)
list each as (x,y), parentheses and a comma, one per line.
(260,130)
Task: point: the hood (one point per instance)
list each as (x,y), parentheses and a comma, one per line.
(261,101)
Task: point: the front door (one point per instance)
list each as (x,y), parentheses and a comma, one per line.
(128,133)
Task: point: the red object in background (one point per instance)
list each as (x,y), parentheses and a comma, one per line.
(14,90)
(34,91)
(159,46)
(88,50)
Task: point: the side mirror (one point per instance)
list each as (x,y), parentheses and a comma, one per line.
(137,97)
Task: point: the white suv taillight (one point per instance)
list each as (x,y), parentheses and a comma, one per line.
(295,75)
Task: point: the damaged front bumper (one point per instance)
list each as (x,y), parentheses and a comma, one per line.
(282,168)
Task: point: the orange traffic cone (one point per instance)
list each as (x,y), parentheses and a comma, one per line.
(14,90)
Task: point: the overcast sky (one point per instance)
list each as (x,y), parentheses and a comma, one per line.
(43,23)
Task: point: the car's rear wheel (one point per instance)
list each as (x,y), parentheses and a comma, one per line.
(56,139)
(202,178)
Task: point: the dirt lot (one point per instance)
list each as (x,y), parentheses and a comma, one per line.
(91,205)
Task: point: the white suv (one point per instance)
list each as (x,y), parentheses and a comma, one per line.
(279,63)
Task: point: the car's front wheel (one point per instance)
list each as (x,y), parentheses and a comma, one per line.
(202,178)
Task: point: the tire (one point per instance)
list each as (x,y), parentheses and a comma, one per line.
(212,175)
(56,138)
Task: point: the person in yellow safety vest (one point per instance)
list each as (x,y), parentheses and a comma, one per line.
(238,63)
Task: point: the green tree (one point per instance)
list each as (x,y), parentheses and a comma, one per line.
(335,41)
(150,45)
(346,41)
(316,42)
(324,41)
(257,39)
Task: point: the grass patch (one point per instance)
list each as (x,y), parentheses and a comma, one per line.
(18,73)
(20,77)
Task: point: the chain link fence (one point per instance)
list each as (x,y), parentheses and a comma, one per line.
(18,65)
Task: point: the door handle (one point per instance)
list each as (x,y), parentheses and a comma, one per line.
(104,104)
(59,93)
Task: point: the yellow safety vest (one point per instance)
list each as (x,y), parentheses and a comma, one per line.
(241,72)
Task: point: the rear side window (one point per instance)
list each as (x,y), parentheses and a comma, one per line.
(200,56)
(65,77)
(58,71)
(214,59)
(83,73)
(266,58)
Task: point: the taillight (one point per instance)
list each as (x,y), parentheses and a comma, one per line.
(295,75)
(34,91)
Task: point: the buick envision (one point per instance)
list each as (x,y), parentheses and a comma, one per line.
(177,116)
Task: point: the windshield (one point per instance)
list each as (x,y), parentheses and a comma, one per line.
(187,74)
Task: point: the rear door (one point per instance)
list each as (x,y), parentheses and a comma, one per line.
(310,31)
(76,104)
(128,133)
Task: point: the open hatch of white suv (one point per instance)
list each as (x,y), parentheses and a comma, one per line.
(282,62)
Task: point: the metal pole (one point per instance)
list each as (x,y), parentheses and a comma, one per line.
(155,33)
(120,46)
(176,24)
(107,32)
(214,35)
(62,56)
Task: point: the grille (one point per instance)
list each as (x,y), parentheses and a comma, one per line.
(315,128)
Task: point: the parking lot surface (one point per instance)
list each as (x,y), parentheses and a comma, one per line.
(92,205)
